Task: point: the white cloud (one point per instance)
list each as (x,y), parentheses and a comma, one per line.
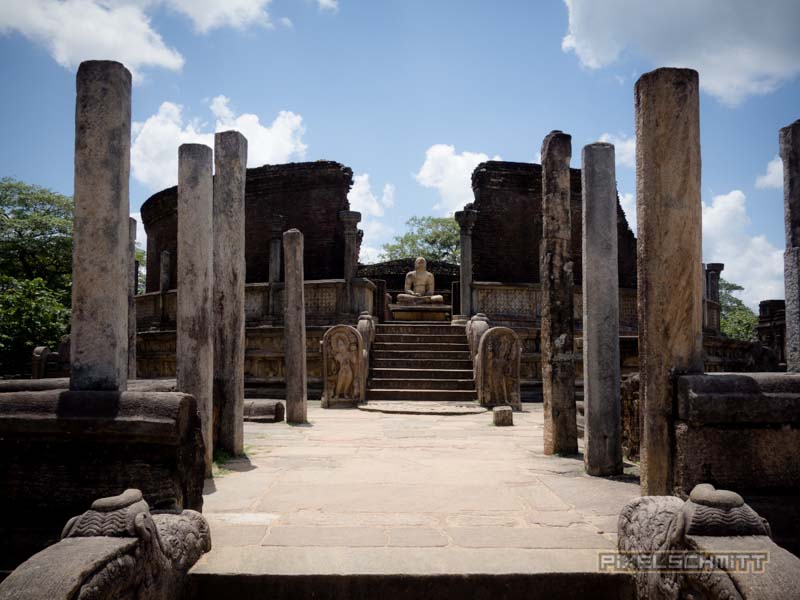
(740,47)
(154,152)
(628,203)
(773,178)
(211,14)
(751,261)
(77,30)
(332,5)
(624,149)
(286,22)
(141,235)
(450,174)
(372,208)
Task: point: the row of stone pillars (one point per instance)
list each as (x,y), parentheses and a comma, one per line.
(670,280)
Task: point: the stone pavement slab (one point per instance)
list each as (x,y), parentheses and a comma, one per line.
(371,493)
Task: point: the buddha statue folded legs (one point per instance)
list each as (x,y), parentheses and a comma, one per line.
(419,286)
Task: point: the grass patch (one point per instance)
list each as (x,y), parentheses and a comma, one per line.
(221,458)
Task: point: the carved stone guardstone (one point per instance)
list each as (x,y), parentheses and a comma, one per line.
(344,364)
(497,368)
(476,327)
(713,528)
(117,549)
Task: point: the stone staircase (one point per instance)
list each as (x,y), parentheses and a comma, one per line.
(421,361)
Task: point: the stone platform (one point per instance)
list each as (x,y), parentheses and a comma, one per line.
(423,408)
(421,312)
(361,504)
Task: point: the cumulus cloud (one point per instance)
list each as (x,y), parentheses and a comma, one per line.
(773,178)
(450,174)
(332,5)
(750,260)
(372,208)
(624,149)
(141,236)
(211,14)
(77,30)
(154,152)
(741,48)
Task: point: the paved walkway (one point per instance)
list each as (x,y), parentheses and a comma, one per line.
(361,492)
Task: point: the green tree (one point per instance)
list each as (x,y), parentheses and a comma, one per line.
(31,314)
(435,238)
(737,320)
(36,235)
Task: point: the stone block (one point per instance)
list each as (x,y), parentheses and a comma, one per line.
(502,416)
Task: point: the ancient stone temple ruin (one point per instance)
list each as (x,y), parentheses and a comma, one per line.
(451,431)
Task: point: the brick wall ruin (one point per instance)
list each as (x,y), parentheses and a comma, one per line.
(309,195)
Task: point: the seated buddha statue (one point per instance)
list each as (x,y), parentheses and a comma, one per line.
(419,286)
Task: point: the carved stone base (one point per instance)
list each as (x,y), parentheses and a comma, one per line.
(421,312)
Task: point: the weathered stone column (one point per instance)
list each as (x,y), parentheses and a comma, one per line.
(789,139)
(558,365)
(670,271)
(134,280)
(601,378)
(164,268)
(466,220)
(713,274)
(100,263)
(230,159)
(194,328)
(276,225)
(350,220)
(294,328)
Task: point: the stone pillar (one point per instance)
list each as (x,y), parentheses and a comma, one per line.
(558,366)
(134,280)
(789,139)
(670,272)
(100,263)
(294,328)
(466,220)
(277,223)
(713,272)
(194,326)
(601,377)
(350,220)
(164,268)
(230,160)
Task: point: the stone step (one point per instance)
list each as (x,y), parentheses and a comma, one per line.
(420,363)
(416,329)
(410,373)
(421,395)
(409,354)
(427,384)
(415,338)
(431,345)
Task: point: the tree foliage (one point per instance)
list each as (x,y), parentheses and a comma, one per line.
(737,320)
(31,314)
(36,235)
(435,238)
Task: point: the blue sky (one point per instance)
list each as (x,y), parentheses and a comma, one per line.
(413,94)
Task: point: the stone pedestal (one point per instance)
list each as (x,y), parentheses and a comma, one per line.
(100,272)
(230,160)
(558,363)
(502,416)
(789,139)
(669,255)
(294,329)
(194,327)
(601,369)
(466,220)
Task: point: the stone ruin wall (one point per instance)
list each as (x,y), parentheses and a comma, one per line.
(309,195)
(508,231)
